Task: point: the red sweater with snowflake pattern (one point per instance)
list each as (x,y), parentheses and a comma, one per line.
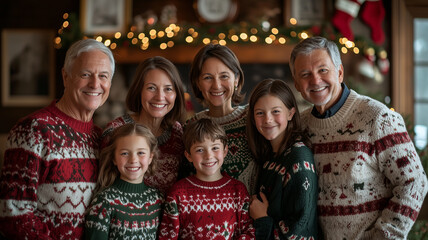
(49,174)
(195,209)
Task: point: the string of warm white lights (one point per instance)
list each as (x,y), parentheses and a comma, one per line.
(165,37)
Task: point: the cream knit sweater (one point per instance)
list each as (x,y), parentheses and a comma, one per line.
(371,180)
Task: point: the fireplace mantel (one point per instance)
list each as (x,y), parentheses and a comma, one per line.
(250,53)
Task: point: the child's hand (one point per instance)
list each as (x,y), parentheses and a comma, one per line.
(258,208)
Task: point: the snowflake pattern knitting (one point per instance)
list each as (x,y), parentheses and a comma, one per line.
(124,211)
(239,162)
(49,174)
(289,182)
(370,176)
(207,210)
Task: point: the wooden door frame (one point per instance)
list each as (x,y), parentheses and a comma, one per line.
(403,14)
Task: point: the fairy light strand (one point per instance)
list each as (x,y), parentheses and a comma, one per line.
(164,37)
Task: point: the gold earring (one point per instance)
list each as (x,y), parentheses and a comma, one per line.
(236,88)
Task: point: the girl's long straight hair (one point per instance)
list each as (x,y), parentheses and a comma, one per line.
(258,144)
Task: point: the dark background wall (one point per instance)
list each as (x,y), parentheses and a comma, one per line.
(47,14)
(31,14)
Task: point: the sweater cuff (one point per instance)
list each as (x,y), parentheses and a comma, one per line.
(263,227)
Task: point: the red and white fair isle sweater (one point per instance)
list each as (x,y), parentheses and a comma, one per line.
(195,209)
(371,180)
(239,163)
(49,174)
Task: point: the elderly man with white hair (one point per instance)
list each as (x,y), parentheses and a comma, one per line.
(371,180)
(51,160)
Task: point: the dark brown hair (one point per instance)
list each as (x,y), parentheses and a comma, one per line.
(133,99)
(258,144)
(229,59)
(200,129)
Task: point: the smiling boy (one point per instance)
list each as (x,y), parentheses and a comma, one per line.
(209,204)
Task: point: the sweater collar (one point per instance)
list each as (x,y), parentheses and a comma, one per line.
(335,108)
(237,113)
(80,126)
(129,187)
(350,104)
(209,185)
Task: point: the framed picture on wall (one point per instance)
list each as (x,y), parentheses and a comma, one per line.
(104,16)
(308,12)
(28,67)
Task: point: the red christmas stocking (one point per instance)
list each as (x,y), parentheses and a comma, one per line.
(373,15)
(346,11)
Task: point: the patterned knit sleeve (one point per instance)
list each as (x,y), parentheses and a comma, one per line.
(299,196)
(19,183)
(245,222)
(170,224)
(97,224)
(399,162)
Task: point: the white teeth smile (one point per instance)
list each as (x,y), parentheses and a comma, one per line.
(209,164)
(133,169)
(319,89)
(217,94)
(92,94)
(158,105)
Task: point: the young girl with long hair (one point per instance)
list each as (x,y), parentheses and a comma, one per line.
(156,100)
(286,204)
(124,205)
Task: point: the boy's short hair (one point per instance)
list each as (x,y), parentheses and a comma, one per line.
(200,129)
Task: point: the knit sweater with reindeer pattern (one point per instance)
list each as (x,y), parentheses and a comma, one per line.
(371,180)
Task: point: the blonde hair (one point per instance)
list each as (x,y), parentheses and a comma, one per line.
(108,172)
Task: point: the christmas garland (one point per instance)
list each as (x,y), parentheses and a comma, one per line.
(163,37)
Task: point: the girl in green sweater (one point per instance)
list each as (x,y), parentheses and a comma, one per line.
(286,205)
(124,206)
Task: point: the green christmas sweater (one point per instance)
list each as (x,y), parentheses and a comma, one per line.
(290,184)
(124,211)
